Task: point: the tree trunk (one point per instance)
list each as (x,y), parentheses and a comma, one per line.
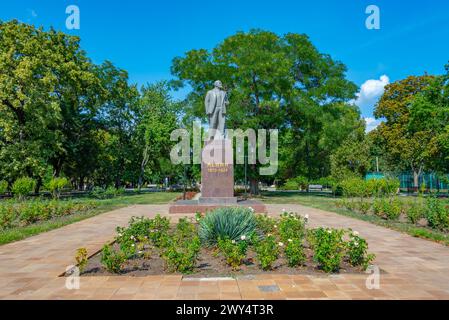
(253,186)
(143,164)
(416,179)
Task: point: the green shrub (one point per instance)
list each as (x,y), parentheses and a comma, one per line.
(357,251)
(291,226)
(294,252)
(55,186)
(3,187)
(302,182)
(108,193)
(182,256)
(329,248)
(22,187)
(142,230)
(353,187)
(363,206)
(265,224)
(390,209)
(185,229)
(112,260)
(290,185)
(81,258)
(233,251)
(415,211)
(28,212)
(227,223)
(31,212)
(327,182)
(437,214)
(267,251)
(8,215)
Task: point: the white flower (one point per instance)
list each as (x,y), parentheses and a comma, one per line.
(283,210)
(290,240)
(356,244)
(243,238)
(275,226)
(119,234)
(269,235)
(306,217)
(133,245)
(280,244)
(250,208)
(329,231)
(233,241)
(355,233)
(140,252)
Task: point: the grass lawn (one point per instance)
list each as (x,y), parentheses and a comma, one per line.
(19,233)
(327,203)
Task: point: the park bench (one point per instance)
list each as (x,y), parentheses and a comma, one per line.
(315,188)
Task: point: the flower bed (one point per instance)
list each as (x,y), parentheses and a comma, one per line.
(226,242)
(19,214)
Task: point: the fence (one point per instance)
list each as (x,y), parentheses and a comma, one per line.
(431,180)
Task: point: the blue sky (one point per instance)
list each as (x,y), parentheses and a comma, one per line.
(144,36)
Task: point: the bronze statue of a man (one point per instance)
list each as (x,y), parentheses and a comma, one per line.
(216,104)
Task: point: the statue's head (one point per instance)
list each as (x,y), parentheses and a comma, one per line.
(218,84)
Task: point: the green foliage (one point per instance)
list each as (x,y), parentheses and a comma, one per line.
(182,256)
(265,66)
(227,223)
(22,187)
(233,251)
(81,259)
(185,228)
(354,187)
(357,251)
(267,251)
(415,211)
(388,208)
(351,159)
(28,212)
(265,224)
(108,193)
(291,226)
(357,187)
(3,187)
(294,252)
(142,230)
(329,248)
(55,186)
(437,213)
(415,113)
(112,260)
(363,206)
(290,184)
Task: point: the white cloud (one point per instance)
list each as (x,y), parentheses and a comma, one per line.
(371,124)
(370,92)
(32,13)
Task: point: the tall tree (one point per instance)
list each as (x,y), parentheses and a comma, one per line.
(158,118)
(275,83)
(406,142)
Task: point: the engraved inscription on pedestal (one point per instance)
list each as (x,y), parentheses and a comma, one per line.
(217,173)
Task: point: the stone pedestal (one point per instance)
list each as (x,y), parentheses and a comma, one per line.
(217,173)
(217,182)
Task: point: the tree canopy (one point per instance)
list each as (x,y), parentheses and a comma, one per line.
(277,83)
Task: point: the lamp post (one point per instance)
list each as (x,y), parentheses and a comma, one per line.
(185,174)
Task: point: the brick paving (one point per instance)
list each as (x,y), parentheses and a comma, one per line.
(30,269)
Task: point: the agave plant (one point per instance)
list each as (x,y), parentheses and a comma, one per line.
(230,223)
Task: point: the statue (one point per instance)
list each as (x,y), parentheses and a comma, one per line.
(216,103)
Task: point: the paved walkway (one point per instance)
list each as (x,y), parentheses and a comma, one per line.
(30,269)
